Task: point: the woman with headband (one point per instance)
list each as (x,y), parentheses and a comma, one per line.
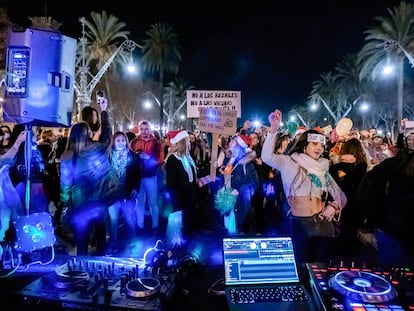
(315,198)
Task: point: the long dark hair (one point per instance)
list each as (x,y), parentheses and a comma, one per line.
(87,116)
(280,138)
(353,146)
(300,144)
(80,137)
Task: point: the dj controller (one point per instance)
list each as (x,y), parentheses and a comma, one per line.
(338,287)
(102,283)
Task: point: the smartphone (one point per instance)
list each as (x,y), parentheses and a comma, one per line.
(99,95)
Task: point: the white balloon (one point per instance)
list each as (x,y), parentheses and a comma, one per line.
(344,126)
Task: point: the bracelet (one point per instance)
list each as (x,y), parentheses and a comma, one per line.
(335,206)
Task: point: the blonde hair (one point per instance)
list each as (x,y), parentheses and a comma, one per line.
(180,148)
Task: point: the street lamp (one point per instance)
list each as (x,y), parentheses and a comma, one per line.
(84,88)
(390,45)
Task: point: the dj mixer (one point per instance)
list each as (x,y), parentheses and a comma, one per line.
(102,283)
(350,288)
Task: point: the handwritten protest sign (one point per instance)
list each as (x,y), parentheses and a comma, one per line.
(227,100)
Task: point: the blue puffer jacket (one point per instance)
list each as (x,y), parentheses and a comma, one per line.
(88,177)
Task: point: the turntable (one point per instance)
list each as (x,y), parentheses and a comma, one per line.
(68,280)
(142,287)
(361,289)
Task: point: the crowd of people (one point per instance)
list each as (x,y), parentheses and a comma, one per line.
(329,192)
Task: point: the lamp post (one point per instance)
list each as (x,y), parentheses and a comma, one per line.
(390,45)
(84,88)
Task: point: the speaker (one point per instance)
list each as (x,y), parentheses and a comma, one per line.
(40,70)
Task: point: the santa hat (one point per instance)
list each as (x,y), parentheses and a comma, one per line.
(176,136)
(300,130)
(242,140)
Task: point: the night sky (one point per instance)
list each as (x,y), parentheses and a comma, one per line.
(272,52)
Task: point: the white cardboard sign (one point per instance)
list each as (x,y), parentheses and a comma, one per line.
(227,100)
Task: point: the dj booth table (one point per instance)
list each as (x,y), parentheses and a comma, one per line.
(113,283)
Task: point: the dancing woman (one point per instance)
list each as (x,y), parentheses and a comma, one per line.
(315,198)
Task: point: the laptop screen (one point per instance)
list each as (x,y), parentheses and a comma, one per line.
(259,260)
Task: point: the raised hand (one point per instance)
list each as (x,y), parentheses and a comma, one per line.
(103,103)
(275,118)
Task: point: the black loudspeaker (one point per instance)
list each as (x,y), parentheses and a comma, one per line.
(39,80)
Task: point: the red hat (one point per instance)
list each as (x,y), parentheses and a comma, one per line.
(176,136)
(318,128)
(242,140)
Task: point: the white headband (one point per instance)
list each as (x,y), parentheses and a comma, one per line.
(316,138)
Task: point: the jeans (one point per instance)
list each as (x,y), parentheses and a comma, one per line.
(147,193)
(88,219)
(127,208)
(313,239)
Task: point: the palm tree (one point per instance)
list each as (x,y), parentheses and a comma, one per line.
(161,53)
(327,91)
(352,88)
(397,27)
(104,36)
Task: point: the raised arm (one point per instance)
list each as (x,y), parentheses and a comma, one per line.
(11,153)
(106,128)
(275,118)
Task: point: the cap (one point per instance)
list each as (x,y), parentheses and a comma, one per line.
(176,136)
(242,140)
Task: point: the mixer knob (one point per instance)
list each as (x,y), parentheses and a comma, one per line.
(105,283)
(122,285)
(95,297)
(108,296)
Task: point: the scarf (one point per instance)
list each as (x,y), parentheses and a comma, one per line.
(119,163)
(316,169)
